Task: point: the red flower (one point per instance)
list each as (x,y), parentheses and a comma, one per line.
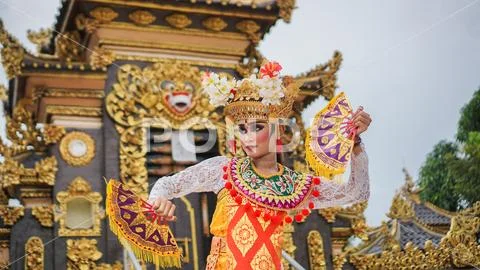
(270,69)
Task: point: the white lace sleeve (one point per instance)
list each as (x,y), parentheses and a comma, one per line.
(202,177)
(357,188)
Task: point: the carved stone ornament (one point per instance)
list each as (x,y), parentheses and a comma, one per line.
(316,256)
(103,14)
(286,8)
(164,95)
(401,208)
(44,215)
(11,215)
(179,21)
(12,53)
(216,24)
(34,254)
(79,212)
(142,17)
(82,254)
(77,148)
(459,248)
(101,58)
(67,46)
(40,38)
(248,27)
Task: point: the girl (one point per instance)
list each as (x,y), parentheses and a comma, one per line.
(257,195)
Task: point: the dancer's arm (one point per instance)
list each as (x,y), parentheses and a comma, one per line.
(357,189)
(202,177)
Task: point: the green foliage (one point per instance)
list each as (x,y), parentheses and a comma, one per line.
(470,118)
(450,176)
(436,181)
(466,170)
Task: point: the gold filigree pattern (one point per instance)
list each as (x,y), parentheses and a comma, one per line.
(142,17)
(459,248)
(12,53)
(67,47)
(44,215)
(82,254)
(34,254)
(316,256)
(11,215)
(3,93)
(329,214)
(101,58)
(40,38)
(216,24)
(179,21)
(141,98)
(103,14)
(248,27)
(288,245)
(401,208)
(286,7)
(77,148)
(79,190)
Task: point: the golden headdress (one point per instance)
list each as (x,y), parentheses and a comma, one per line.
(261,96)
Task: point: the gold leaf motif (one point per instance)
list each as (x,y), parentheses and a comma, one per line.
(316,256)
(11,215)
(104,14)
(67,46)
(34,254)
(248,27)
(179,21)
(77,141)
(285,9)
(3,93)
(401,208)
(44,215)
(41,38)
(142,17)
(101,58)
(12,53)
(82,254)
(216,24)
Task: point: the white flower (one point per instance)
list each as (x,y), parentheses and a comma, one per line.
(270,90)
(218,89)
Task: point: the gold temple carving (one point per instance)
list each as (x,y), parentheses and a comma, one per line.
(79,212)
(34,254)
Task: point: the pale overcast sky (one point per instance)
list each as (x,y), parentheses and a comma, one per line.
(412,65)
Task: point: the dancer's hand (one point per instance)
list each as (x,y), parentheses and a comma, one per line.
(361,120)
(164,208)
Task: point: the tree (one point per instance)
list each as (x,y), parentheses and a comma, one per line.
(450,176)
(466,170)
(470,118)
(436,181)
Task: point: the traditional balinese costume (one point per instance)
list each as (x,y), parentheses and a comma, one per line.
(252,208)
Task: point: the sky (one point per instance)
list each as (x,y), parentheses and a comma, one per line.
(411,64)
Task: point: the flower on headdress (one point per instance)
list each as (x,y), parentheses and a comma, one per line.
(270,90)
(218,89)
(270,69)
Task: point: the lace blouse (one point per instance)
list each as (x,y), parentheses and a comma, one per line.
(207,176)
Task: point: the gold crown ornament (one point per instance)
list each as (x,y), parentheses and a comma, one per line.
(262,96)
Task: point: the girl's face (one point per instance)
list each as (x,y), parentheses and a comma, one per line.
(256,138)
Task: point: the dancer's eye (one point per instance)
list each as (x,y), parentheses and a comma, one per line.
(242,129)
(259,127)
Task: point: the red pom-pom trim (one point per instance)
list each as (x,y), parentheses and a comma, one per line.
(233,192)
(267,217)
(225,176)
(298,218)
(257,213)
(305,212)
(316,181)
(288,219)
(225,168)
(228,185)
(277,219)
(316,193)
(238,199)
(311,205)
(248,206)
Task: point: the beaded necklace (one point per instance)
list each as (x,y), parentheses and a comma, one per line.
(270,197)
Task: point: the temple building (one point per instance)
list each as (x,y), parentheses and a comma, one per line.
(111,90)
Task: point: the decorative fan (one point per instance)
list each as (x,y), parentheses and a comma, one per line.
(329,142)
(139,228)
